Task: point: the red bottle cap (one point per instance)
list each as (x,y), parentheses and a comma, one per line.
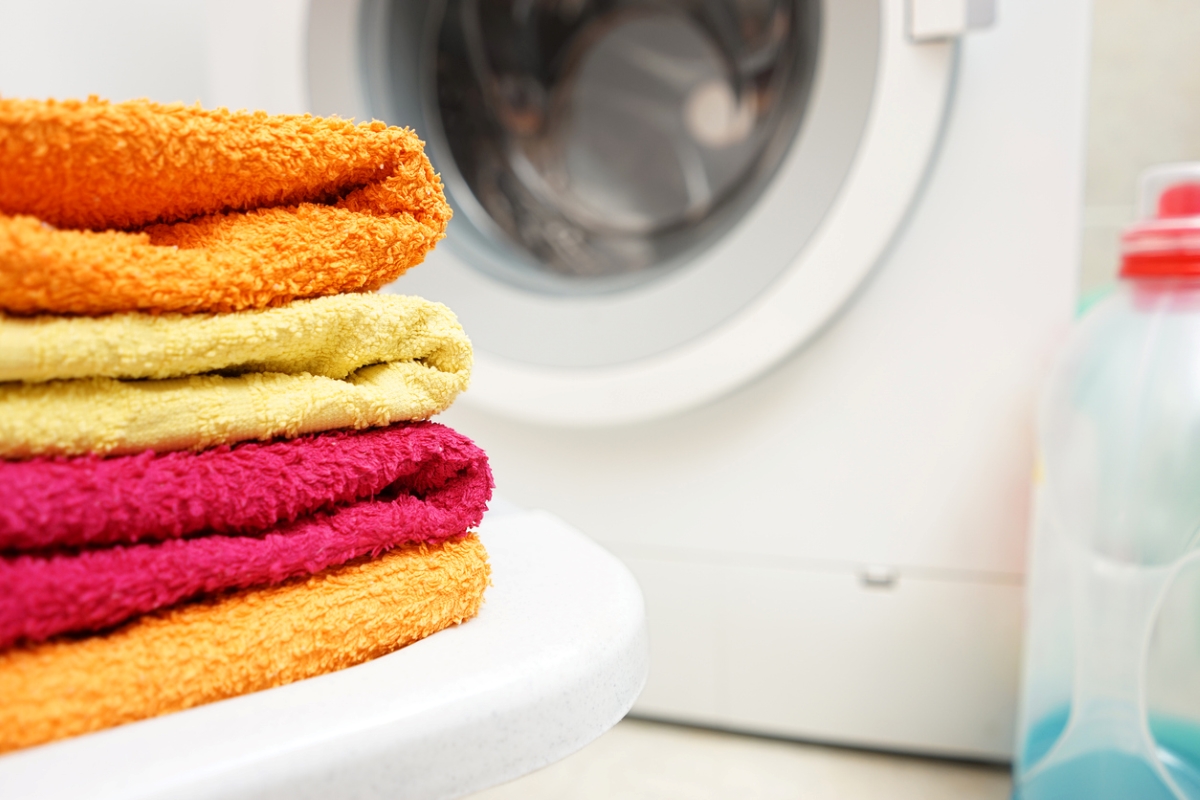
(1165,242)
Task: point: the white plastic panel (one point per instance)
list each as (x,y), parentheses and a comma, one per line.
(688,671)
(927,665)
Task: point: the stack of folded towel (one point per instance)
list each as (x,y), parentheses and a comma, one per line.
(216,476)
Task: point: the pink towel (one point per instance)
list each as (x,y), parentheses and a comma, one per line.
(443,489)
(242,489)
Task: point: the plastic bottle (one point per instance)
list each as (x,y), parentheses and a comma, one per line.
(1110,702)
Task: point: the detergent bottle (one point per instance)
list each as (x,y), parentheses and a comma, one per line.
(1110,701)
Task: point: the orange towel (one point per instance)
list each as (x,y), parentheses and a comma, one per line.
(238,643)
(137,206)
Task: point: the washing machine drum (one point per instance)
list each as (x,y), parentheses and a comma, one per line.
(605,140)
(655,200)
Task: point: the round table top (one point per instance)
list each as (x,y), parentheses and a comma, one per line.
(556,656)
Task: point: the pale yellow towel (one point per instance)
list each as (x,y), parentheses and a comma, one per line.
(238,643)
(341,339)
(329,336)
(107,416)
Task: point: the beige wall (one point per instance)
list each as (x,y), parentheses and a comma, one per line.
(1144,109)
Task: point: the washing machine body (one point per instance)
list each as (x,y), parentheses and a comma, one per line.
(761,293)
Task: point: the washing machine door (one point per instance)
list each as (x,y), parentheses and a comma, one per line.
(654,201)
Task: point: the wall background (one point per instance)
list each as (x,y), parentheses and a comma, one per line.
(1143,109)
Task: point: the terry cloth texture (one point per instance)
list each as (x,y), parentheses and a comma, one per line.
(46,594)
(112,417)
(329,336)
(238,643)
(438,477)
(333,347)
(108,207)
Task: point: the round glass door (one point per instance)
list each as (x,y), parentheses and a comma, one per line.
(627,176)
(654,202)
(604,140)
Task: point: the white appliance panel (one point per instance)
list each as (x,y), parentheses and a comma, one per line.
(902,437)
(901,667)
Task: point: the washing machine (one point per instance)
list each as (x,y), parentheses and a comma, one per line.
(761,292)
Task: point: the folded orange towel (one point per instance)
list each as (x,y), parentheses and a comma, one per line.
(109,207)
(238,643)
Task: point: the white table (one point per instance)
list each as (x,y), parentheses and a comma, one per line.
(556,657)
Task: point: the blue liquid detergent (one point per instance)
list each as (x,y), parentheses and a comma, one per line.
(1179,751)
(1112,774)
(1116,542)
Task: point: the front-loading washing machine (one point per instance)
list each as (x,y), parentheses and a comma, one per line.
(761,293)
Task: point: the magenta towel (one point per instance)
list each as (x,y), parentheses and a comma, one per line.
(247,488)
(46,594)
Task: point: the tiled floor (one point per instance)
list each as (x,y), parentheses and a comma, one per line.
(650,761)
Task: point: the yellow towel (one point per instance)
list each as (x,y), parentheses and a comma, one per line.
(329,336)
(239,643)
(110,417)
